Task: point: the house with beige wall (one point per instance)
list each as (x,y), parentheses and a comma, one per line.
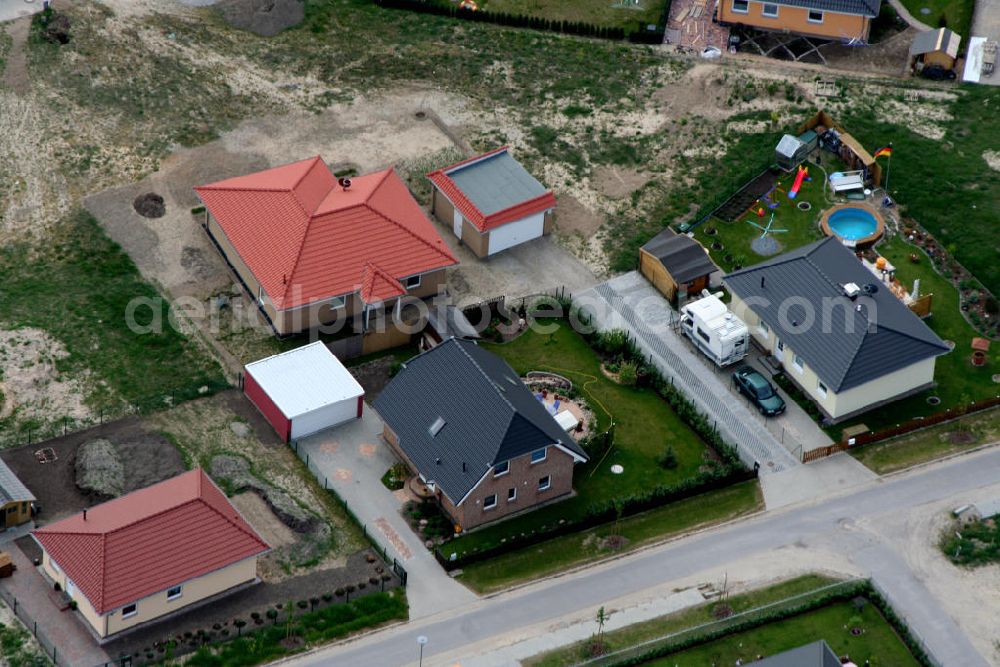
(839,20)
(462,420)
(491,203)
(151,554)
(844,340)
(317,252)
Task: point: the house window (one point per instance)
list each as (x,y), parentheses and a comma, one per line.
(501,469)
(24,507)
(770,10)
(337,302)
(544,483)
(173,593)
(764,330)
(511,494)
(12,509)
(490,501)
(538,455)
(436,427)
(821,388)
(704,336)
(798,363)
(741,6)
(412,281)
(815,16)
(130,610)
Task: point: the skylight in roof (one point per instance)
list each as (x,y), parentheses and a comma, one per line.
(436,426)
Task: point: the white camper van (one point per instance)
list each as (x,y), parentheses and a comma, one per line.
(718,333)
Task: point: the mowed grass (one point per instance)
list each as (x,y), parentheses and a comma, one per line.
(933,443)
(637,633)
(558,554)
(958,381)
(645,426)
(954,14)
(78,290)
(878,643)
(596,12)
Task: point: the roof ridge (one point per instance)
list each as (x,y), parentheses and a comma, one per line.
(461,163)
(496,387)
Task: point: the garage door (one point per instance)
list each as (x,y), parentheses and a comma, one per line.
(513,233)
(325,417)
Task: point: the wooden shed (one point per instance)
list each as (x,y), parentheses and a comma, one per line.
(935,48)
(675,263)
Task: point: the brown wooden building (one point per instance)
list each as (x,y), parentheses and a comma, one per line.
(463,421)
(675,263)
(15,499)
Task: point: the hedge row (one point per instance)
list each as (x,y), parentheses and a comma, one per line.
(517,21)
(863,589)
(728,471)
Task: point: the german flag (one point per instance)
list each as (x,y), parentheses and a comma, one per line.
(883,152)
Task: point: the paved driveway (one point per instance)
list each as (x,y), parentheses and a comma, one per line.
(13,9)
(985,24)
(352,459)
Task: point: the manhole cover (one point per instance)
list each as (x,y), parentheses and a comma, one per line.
(950,344)
(933,400)
(617,469)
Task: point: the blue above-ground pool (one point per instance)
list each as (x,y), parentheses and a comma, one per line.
(854,223)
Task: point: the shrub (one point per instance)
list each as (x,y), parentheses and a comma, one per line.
(628,373)
(668,459)
(302,604)
(612,343)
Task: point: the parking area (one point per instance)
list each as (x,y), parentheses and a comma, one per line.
(351,459)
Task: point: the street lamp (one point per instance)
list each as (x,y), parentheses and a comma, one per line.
(421,641)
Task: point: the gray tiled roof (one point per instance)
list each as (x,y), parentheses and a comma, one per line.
(941,39)
(11,488)
(849,350)
(869,8)
(489,415)
(496,182)
(683,257)
(817,654)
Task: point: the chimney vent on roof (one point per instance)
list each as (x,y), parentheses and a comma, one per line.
(437,461)
(85,514)
(344,183)
(463,466)
(762,282)
(851,290)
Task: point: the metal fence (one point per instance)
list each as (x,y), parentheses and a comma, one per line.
(392,561)
(31,624)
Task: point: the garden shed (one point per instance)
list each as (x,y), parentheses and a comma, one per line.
(791,151)
(303,391)
(935,48)
(675,263)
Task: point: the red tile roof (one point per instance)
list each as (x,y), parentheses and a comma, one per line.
(150,540)
(306,239)
(471,212)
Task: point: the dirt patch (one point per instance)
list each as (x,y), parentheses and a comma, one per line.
(961,437)
(260,516)
(146,456)
(149,205)
(263,17)
(34,388)
(617,182)
(374,375)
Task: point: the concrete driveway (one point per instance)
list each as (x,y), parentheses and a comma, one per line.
(986,23)
(14,9)
(351,459)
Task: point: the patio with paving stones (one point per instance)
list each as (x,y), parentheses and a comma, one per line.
(690,25)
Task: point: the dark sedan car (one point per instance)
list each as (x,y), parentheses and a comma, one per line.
(755,386)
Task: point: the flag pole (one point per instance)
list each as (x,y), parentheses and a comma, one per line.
(888,166)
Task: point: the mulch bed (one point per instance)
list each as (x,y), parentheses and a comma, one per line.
(744,198)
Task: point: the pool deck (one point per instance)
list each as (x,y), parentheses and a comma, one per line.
(855,243)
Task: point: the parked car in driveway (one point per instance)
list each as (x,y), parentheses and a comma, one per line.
(755,386)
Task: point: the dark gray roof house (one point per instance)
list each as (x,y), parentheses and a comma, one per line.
(683,257)
(847,341)
(11,488)
(817,654)
(458,410)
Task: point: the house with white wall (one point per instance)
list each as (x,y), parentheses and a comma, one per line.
(837,332)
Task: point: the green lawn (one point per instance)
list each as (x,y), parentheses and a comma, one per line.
(78,290)
(596,12)
(689,618)
(958,380)
(557,554)
(644,426)
(802,226)
(932,443)
(878,644)
(954,14)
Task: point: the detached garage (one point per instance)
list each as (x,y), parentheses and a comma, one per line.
(491,202)
(303,391)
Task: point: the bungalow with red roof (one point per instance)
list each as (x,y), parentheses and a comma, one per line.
(312,250)
(491,202)
(151,553)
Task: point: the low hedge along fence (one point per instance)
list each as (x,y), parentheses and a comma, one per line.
(580,28)
(728,471)
(863,588)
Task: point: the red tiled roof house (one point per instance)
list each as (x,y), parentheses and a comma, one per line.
(491,203)
(311,250)
(151,553)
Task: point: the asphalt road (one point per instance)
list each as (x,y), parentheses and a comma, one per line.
(830,525)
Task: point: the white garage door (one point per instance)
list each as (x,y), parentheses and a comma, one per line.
(325,417)
(509,235)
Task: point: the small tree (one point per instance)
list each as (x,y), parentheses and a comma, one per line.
(597,647)
(668,459)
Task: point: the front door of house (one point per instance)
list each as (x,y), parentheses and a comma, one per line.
(779,350)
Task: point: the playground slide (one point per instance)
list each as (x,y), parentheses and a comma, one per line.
(794,190)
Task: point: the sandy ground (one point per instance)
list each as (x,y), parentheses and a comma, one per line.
(260,516)
(32,386)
